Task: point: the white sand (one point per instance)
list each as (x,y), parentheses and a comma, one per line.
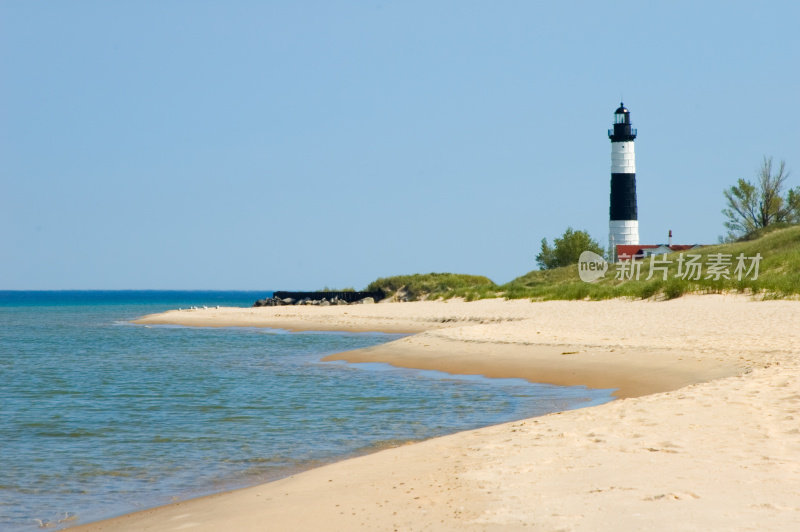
(720,454)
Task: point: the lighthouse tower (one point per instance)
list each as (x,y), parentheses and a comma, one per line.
(623,225)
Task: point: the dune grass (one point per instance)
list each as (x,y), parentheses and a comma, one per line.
(778,276)
(778,273)
(434,285)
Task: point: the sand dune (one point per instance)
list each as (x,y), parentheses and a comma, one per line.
(706,436)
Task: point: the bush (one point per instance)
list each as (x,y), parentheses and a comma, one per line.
(566,250)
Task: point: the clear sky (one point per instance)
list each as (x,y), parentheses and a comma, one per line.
(293,145)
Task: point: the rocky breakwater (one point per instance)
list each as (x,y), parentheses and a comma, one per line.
(319,298)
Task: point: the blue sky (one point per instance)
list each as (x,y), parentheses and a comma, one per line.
(294,145)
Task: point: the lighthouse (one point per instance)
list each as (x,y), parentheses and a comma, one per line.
(623,225)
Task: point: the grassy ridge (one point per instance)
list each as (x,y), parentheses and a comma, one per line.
(432,285)
(778,277)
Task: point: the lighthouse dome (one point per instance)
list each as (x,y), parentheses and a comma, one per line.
(622,115)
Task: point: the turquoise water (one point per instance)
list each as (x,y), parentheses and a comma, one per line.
(99,417)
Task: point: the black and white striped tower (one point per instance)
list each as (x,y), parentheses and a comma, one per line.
(623,225)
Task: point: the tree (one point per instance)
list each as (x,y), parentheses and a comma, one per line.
(566,250)
(793,203)
(751,206)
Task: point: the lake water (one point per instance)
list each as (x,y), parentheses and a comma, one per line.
(100,417)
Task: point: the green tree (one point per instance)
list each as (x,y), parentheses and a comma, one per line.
(566,250)
(793,203)
(751,206)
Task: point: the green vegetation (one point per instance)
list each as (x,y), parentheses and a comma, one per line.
(434,286)
(566,250)
(778,276)
(753,206)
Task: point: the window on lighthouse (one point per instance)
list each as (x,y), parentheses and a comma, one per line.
(620,118)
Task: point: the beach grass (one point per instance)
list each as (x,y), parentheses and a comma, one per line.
(435,286)
(661,277)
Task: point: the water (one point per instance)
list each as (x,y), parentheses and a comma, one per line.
(99,417)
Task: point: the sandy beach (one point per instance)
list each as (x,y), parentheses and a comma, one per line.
(705,434)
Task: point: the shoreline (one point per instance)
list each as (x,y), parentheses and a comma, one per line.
(704,435)
(560,365)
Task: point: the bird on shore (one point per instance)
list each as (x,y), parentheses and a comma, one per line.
(68,516)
